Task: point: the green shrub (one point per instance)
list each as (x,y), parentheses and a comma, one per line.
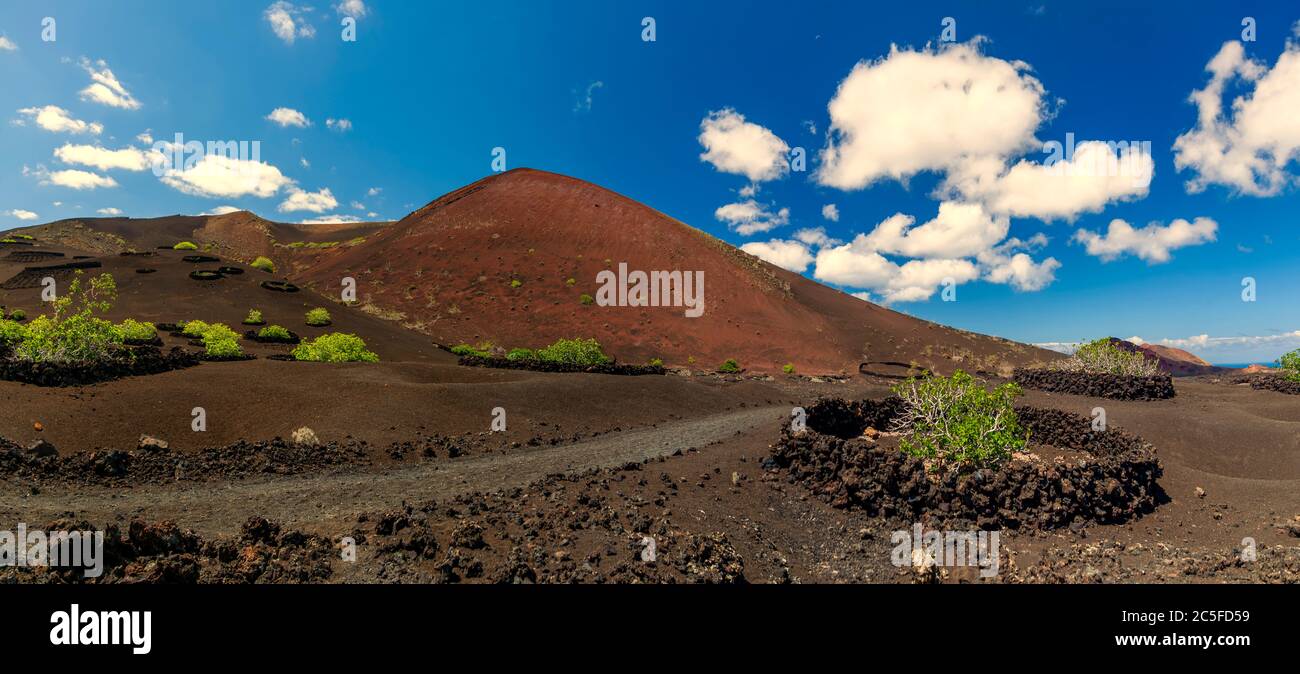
(570,281)
(221,342)
(318,317)
(788,368)
(958,421)
(574,352)
(25,237)
(587,299)
(1103,356)
(515,283)
(483,350)
(263,263)
(11,332)
(1290,364)
(185,245)
(729,366)
(73,334)
(194,329)
(521,354)
(274,332)
(336,347)
(137,331)
(254,317)
(18,315)
(656,362)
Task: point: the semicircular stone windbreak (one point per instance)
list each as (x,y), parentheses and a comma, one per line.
(196,259)
(280,286)
(1097,385)
(1271,382)
(145,270)
(230,271)
(206,275)
(1069,472)
(129,362)
(255,336)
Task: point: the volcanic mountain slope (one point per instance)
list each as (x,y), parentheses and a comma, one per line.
(1174,361)
(513,259)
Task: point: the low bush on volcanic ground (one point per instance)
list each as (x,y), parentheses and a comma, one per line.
(17,315)
(729,366)
(580,352)
(254,317)
(219,341)
(1104,370)
(138,332)
(275,332)
(1103,356)
(1289,363)
(957,421)
(185,245)
(961,451)
(318,317)
(336,347)
(263,263)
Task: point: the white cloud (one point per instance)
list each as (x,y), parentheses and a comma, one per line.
(374,191)
(105,88)
(222,210)
(145,137)
(7,45)
(927,110)
(1009,263)
(287,21)
(584,102)
(1151,243)
(358,205)
(1249,148)
(750,217)
(54,118)
(816,237)
(372,214)
(315,202)
(330,219)
(353,8)
(303,161)
(340,125)
(1096,174)
(791,255)
(78,180)
(217,175)
(287,117)
(127,158)
(109,211)
(959,230)
(831,212)
(733,145)
(22,214)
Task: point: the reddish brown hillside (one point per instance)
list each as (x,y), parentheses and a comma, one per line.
(447,269)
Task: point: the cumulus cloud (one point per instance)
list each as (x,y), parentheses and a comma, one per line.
(959,230)
(815,237)
(927,110)
(105,88)
(109,211)
(7,45)
(339,125)
(1093,175)
(315,202)
(1010,263)
(733,145)
(374,191)
(287,117)
(22,214)
(1249,148)
(791,255)
(831,212)
(218,176)
(56,119)
(288,21)
(145,137)
(353,8)
(78,180)
(1151,243)
(127,158)
(222,210)
(750,217)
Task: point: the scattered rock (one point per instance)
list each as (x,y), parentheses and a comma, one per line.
(148,443)
(1200,493)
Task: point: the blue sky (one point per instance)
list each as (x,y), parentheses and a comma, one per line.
(690,123)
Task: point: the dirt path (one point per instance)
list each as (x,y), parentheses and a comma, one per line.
(319,502)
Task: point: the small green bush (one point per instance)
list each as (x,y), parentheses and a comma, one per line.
(515,283)
(263,263)
(25,237)
(318,317)
(1290,364)
(336,347)
(729,366)
(254,317)
(570,281)
(958,421)
(137,331)
(221,342)
(73,334)
(274,332)
(656,362)
(574,352)
(521,354)
(483,350)
(18,315)
(185,245)
(788,368)
(11,332)
(194,329)
(587,299)
(1103,356)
